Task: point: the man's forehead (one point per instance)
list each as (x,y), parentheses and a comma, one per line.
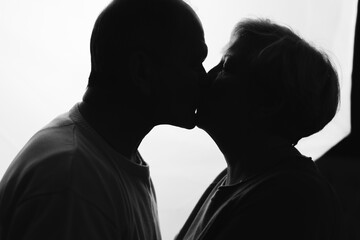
(187,20)
(196,43)
(191,27)
(189,32)
(193,37)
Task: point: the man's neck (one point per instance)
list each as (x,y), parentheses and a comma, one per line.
(120,127)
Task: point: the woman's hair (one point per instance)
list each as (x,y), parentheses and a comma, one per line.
(286,73)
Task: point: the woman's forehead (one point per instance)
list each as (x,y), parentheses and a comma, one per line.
(233,47)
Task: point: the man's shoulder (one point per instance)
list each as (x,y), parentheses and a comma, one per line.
(55,137)
(50,144)
(45,158)
(55,160)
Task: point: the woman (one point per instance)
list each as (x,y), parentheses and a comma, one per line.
(270,89)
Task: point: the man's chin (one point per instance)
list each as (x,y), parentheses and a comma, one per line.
(199,119)
(187,123)
(188,127)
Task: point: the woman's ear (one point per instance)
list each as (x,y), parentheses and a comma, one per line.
(141,72)
(269,113)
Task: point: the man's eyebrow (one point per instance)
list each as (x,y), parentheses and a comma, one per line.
(205,51)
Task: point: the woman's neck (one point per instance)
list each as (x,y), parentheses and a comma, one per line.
(254,157)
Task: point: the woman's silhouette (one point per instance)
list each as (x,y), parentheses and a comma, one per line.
(270,89)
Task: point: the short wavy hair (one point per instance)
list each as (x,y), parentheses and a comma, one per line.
(284,70)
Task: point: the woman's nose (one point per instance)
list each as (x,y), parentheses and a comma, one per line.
(213,73)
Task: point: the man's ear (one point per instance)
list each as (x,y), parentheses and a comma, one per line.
(141,72)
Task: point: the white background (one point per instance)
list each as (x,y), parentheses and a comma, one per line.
(45,63)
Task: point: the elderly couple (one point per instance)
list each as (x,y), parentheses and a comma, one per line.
(82,177)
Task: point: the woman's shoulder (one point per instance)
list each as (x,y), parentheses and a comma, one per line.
(300,174)
(296,181)
(295,187)
(294,193)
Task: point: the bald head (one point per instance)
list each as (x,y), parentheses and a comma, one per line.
(129,26)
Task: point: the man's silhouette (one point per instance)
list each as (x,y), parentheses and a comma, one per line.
(82,177)
(341,164)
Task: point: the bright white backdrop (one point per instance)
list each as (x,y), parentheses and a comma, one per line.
(45,62)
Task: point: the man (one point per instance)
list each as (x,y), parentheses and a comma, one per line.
(82,177)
